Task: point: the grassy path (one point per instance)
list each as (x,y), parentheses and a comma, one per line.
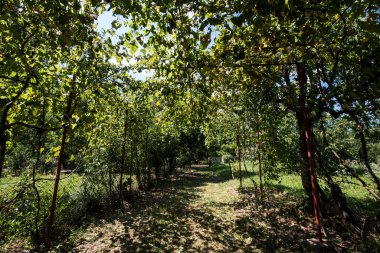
(194,213)
(201,211)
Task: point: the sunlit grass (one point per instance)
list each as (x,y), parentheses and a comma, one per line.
(358,198)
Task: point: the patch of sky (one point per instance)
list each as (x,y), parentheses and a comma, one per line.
(104,26)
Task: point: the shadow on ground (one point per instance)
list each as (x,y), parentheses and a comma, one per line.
(166,220)
(176,218)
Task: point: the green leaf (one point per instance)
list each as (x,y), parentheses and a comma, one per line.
(56,151)
(115,24)
(206,39)
(133,48)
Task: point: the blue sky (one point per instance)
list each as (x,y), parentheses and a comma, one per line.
(104,23)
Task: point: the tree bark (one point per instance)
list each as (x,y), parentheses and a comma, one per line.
(3,146)
(364,149)
(238,154)
(123,156)
(172,164)
(305,169)
(138,172)
(67,116)
(349,169)
(4,126)
(231,169)
(302,81)
(110,182)
(130,172)
(37,236)
(146,158)
(259,155)
(336,192)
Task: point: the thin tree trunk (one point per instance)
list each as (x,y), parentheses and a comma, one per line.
(138,172)
(146,158)
(302,80)
(172,164)
(259,155)
(336,192)
(247,173)
(3,139)
(239,158)
(110,183)
(130,171)
(231,169)
(364,149)
(123,156)
(67,116)
(354,175)
(37,237)
(350,170)
(4,126)
(3,143)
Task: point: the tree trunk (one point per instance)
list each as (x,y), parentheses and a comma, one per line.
(110,183)
(302,80)
(123,156)
(3,136)
(138,172)
(259,155)
(3,143)
(364,149)
(157,169)
(231,169)
(37,236)
(67,116)
(3,124)
(349,170)
(238,154)
(305,169)
(130,171)
(146,157)
(172,164)
(336,192)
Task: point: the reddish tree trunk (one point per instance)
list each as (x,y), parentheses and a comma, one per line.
(67,116)
(302,80)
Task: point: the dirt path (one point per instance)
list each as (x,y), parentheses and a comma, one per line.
(200,211)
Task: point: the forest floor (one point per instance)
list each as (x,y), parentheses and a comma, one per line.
(201,210)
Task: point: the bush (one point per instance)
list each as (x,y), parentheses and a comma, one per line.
(228,157)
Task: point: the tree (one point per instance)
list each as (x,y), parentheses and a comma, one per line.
(31,39)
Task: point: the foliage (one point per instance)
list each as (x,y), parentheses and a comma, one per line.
(230,78)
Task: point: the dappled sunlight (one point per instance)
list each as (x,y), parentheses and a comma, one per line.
(202,212)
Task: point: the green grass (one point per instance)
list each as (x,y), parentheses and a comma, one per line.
(358,198)
(203,211)
(17,218)
(290,183)
(206,201)
(7,182)
(356,195)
